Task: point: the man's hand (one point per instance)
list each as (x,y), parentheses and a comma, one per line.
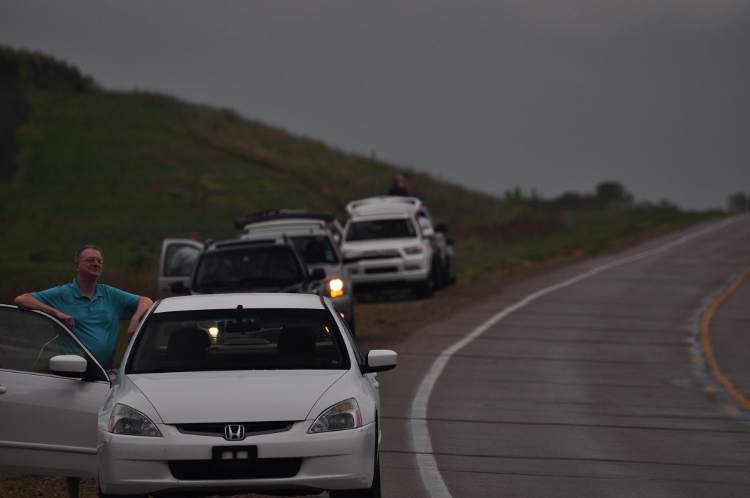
(29,302)
(144,303)
(67,320)
(131,329)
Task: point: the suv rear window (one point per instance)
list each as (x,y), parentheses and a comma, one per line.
(270,269)
(380,229)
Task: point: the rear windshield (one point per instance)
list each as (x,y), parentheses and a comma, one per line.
(380,229)
(257,269)
(245,339)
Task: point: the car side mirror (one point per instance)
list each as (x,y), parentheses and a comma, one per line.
(380,360)
(68,365)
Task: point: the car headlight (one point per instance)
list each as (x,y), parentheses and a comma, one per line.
(130,422)
(339,417)
(336,287)
(412,250)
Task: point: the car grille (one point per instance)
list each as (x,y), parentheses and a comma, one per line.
(251,428)
(263,468)
(379,254)
(385,269)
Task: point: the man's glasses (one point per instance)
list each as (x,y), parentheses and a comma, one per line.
(93,260)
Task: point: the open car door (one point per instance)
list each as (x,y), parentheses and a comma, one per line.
(176,263)
(48,421)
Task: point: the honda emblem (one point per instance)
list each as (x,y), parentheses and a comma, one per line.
(234,432)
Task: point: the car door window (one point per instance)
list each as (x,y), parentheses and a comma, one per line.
(28,340)
(180,260)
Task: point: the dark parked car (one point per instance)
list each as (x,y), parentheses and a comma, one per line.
(260,265)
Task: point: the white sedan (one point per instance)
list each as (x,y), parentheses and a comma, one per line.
(216,394)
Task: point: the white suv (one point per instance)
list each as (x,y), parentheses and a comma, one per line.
(384,246)
(314,235)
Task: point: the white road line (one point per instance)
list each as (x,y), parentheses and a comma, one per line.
(420,433)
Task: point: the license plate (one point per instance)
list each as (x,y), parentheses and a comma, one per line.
(235,456)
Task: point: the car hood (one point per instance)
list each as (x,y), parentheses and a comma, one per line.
(252,396)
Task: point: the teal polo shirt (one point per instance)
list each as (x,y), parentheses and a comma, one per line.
(97,320)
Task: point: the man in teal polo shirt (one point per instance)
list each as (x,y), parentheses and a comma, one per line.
(92,311)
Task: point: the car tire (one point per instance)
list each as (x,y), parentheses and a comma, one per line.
(450,277)
(438,275)
(427,288)
(374,490)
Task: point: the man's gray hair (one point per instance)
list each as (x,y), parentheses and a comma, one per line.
(80,251)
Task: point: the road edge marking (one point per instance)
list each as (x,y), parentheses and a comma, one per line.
(708,350)
(421,441)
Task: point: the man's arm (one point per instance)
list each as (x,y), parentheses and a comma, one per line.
(144,303)
(29,302)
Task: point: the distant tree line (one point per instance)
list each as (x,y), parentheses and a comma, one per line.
(21,70)
(609,191)
(739,202)
(41,71)
(613,191)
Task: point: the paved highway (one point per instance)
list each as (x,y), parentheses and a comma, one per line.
(624,375)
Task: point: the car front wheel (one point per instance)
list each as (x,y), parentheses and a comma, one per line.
(438,275)
(427,288)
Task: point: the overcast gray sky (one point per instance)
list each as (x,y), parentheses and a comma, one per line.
(549,95)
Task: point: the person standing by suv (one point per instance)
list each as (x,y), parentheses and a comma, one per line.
(92,311)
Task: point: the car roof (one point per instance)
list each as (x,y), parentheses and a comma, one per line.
(232,301)
(248,243)
(387,204)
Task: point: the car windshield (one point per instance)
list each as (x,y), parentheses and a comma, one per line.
(380,229)
(316,249)
(244,339)
(259,269)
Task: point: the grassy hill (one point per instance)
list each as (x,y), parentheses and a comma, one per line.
(124,170)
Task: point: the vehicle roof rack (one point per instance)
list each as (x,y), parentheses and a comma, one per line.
(280,214)
(239,242)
